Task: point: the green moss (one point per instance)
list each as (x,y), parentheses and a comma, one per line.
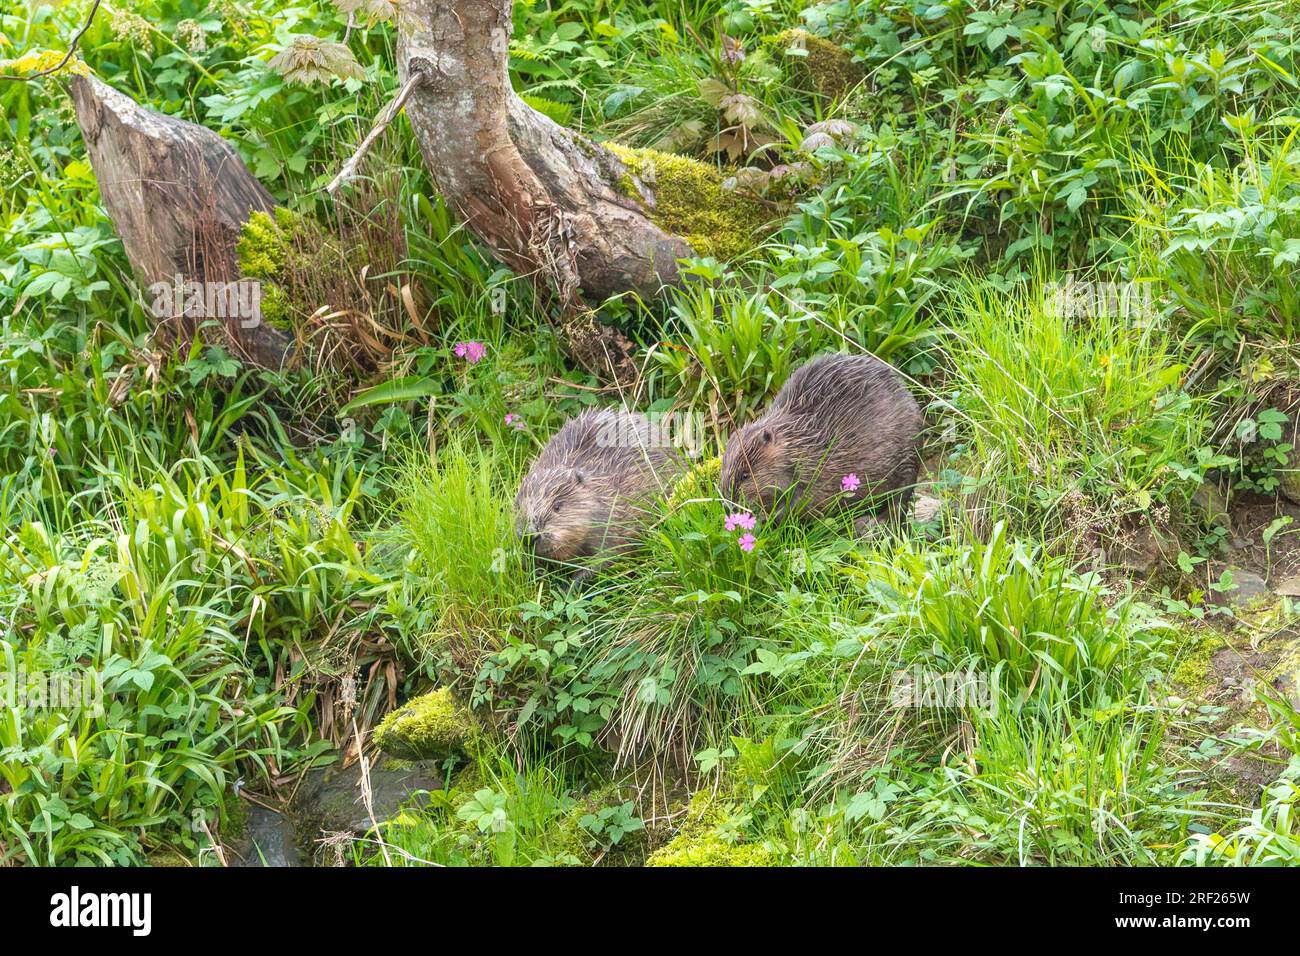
(428,728)
(567,837)
(709,849)
(1287,667)
(699,481)
(276,309)
(700,842)
(279,248)
(1194,658)
(628,187)
(468,778)
(689,201)
(168,858)
(265,242)
(819,65)
(234,817)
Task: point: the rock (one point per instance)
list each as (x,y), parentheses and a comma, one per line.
(269,840)
(1142,550)
(1289,486)
(431,727)
(926,508)
(1247,587)
(1285,673)
(1289,587)
(331,799)
(1213,504)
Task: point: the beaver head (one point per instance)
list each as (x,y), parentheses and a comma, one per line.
(759,465)
(560,514)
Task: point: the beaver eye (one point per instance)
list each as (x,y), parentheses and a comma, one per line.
(559,502)
(743,476)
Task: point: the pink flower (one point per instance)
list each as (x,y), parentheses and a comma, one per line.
(515,420)
(850,482)
(747,542)
(741,519)
(473,351)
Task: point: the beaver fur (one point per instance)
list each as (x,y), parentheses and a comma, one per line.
(588,491)
(836,416)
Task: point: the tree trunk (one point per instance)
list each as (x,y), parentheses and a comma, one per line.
(545,199)
(178,195)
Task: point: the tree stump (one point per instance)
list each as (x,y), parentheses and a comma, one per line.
(178,195)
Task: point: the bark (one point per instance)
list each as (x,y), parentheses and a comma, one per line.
(178,195)
(546,200)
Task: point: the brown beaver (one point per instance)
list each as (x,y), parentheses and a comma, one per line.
(588,490)
(837,416)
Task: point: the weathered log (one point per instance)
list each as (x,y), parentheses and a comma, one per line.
(546,200)
(178,195)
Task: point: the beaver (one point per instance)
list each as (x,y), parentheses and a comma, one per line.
(837,417)
(588,491)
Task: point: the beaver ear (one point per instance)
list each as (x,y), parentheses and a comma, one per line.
(767,436)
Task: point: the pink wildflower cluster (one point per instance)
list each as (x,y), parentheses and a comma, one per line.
(850,482)
(473,352)
(741,519)
(745,521)
(515,421)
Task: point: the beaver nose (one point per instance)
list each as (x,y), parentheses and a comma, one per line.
(530,540)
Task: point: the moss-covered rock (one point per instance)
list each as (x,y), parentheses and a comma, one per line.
(689,201)
(701,842)
(430,727)
(816,64)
